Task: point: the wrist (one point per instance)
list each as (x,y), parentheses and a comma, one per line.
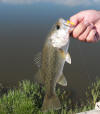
(98,14)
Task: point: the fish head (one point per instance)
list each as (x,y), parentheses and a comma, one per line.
(60,33)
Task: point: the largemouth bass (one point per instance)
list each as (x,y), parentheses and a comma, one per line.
(53,57)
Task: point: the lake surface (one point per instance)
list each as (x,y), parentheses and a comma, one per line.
(24,25)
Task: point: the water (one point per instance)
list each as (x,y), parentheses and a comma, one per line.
(24,25)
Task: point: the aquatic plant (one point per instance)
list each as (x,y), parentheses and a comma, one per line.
(27,98)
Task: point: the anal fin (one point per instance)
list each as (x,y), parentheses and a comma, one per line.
(62,80)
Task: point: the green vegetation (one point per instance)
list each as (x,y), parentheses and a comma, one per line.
(28,99)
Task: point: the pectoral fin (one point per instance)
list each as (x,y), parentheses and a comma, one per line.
(65,56)
(62,81)
(68,58)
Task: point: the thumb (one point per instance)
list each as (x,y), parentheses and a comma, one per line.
(77,18)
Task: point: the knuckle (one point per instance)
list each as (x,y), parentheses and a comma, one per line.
(81,27)
(91,36)
(89,27)
(75,33)
(93,32)
(78,30)
(81,38)
(86,24)
(88,40)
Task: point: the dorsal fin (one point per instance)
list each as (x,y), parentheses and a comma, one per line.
(37,59)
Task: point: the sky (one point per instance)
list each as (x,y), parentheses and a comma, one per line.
(64,2)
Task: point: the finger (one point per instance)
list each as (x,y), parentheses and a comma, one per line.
(97,25)
(95,39)
(97,36)
(84,35)
(79,29)
(92,36)
(76,18)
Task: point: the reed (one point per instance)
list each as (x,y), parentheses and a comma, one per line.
(27,98)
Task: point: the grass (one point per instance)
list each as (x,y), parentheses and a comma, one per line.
(28,99)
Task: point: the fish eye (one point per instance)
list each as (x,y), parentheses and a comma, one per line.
(58,27)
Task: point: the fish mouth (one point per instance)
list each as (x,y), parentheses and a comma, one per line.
(69,25)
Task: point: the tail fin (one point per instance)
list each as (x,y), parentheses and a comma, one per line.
(51,103)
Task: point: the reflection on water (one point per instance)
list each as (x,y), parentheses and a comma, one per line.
(64,2)
(23,29)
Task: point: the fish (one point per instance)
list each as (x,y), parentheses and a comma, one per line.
(51,63)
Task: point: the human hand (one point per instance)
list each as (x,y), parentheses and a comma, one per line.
(86,25)
(97,26)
